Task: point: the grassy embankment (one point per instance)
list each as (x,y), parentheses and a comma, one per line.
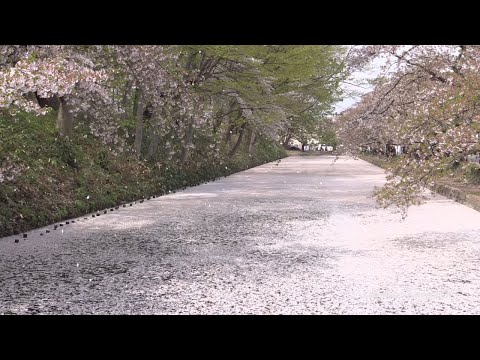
(61,179)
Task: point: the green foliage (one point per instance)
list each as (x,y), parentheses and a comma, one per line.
(285,86)
(68,152)
(472,173)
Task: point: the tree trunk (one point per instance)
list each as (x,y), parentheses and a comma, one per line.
(189,138)
(64,119)
(252,142)
(228,136)
(239,141)
(31,96)
(155,136)
(128,89)
(53,102)
(248,138)
(216,125)
(153,148)
(286,141)
(139,123)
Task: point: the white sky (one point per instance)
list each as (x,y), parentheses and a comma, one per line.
(358,83)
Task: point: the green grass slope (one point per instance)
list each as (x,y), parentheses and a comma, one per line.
(45,179)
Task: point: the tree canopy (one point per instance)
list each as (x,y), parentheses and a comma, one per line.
(427,100)
(150,99)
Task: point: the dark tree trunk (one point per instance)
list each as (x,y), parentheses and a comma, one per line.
(139,122)
(189,139)
(152,150)
(228,136)
(31,96)
(239,141)
(249,138)
(154,137)
(126,94)
(216,125)
(53,102)
(252,143)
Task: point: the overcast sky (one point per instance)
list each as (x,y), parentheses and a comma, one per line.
(358,84)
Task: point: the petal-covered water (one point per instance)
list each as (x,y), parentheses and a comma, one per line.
(301,237)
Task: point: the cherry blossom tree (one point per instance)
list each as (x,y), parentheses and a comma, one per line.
(428,102)
(157,100)
(33,78)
